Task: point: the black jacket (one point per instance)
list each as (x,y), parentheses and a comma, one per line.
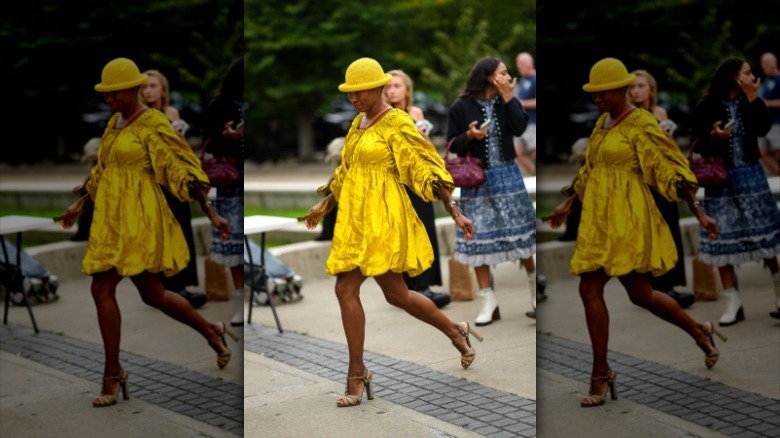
(509,117)
(753,116)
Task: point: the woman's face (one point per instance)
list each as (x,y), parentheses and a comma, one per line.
(500,71)
(609,99)
(363,100)
(396,92)
(121,99)
(639,91)
(745,73)
(151,90)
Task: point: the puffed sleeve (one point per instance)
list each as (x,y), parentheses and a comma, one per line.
(176,167)
(663,164)
(417,161)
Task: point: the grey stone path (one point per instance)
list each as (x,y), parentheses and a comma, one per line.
(204,398)
(725,409)
(476,407)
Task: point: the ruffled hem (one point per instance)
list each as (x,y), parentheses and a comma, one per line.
(227,260)
(495,258)
(739,258)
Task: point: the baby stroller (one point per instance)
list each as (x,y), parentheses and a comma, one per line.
(35,281)
(278,283)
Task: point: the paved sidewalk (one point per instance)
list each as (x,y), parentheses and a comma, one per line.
(664,388)
(420,388)
(176,389)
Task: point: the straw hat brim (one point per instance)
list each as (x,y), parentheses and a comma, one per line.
(347,88)
(593,88)
(107,88)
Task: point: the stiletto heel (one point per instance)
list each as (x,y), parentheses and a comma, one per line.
(348,400)
(712,357)
(106,399)
(594,399)
(224,358)
(466,359)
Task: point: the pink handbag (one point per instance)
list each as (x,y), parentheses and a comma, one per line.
(710,171)
(466,171)
(222,171)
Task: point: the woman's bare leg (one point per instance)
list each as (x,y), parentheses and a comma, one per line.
(663,306)
(110,321)
(176,306)
(396,293)
(597,318)
(353,318)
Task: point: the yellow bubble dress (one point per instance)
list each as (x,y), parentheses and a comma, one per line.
(621,229)
(133,229)
(377,229)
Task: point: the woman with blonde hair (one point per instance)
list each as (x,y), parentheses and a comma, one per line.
(155,93)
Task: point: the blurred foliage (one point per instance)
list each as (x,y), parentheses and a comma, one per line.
(680,42)
(298,50)
(54,53)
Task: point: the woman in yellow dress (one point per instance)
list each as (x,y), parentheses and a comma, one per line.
(621,233)
(377,232)
(133,232)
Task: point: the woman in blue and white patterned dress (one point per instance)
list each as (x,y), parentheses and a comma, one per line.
(744,208)
(500,207)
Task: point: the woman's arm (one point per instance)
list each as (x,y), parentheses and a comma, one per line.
(200,193)
(461,221)
(688,193)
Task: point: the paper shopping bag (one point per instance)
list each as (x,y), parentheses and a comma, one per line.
(463,284)
(705,281)
(218,281)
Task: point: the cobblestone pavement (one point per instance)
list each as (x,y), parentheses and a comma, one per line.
(722,408)
(199,396)
(482,409)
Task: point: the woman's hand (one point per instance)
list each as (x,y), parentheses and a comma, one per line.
(465,224)
(710,225)
(473,132)
(717,132)
(504,86)
(233,133)
(317,212)
(72,213)
(750,88)
(222,225)
(560,212)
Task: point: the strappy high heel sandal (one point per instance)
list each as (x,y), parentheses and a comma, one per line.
(348,400)
(106,399)
(466,359)
(712,357)
(594,399)
(224,358)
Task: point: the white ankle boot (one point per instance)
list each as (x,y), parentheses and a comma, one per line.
(489,312)
(733,311)
(532,288)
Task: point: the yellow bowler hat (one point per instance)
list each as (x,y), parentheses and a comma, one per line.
(120,74)
(608,74)
(364,74)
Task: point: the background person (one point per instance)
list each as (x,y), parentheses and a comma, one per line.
(223,135)
(500,206)
(744,207)
(643,93)
(399,94)
(155,94)
(525,91)
(769,145)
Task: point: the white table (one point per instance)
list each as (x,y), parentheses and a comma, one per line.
(18,224)
(262,224)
